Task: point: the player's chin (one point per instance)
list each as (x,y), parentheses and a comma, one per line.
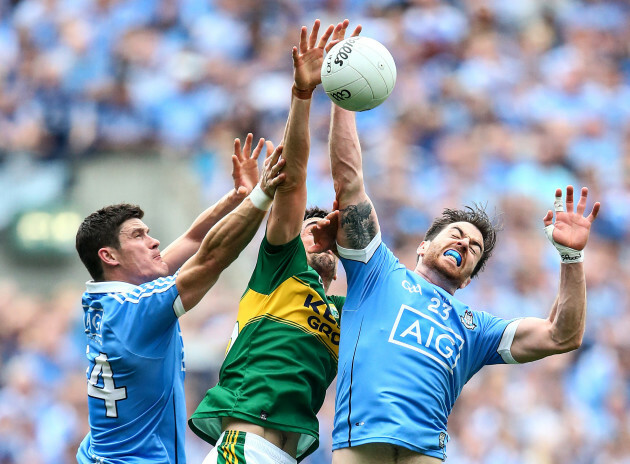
(323,263)
(450,269)
(163,270)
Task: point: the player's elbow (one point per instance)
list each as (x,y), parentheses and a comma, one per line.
(568,344)
(575,343)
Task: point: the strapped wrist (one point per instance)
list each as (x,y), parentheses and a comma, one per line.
(567,255)
(260,199)
(302,94)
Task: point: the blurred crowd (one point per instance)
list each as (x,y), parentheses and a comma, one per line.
(497,102)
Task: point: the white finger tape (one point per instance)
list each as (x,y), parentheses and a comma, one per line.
(558,205)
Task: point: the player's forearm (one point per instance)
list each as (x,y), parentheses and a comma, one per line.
(204,222)
(568,317)
(345,157)
(178,252)
(227,239)
(220,247)
(285,222)
(296,143)
(358,223)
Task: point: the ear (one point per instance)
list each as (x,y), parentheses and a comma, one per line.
(108,256)
(465,283)
(423,247)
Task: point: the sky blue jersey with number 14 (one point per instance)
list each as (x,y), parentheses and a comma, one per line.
(407,348)
(135,374)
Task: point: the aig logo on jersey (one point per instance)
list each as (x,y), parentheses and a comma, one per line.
(424,333)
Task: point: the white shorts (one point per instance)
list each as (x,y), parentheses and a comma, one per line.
(246,448)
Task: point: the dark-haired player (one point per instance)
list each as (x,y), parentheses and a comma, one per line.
(135,354)
(283,352)
(408,345)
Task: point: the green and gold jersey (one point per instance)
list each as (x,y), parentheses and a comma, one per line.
(282,355)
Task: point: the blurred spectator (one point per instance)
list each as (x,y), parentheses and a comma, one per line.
(496,101)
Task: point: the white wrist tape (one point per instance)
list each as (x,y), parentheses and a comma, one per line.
(260,199)
(567,255)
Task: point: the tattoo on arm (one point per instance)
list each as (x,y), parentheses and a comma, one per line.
(356,223)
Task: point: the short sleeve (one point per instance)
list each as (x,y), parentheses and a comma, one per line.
(364,277)
(491,334)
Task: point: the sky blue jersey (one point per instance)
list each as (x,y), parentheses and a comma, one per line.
(135,374)
(407,348)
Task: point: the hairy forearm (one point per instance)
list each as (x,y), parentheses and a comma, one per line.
(207,219)
(296,143)
(345,156)
(358,222)
(227,239)
(563,329)
(187,244)
(285,220)
(568,315)
(220,247)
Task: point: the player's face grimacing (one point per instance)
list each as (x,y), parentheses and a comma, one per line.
(454,252)
(325,263)
(139,253)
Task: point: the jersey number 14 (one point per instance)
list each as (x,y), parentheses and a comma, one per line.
(108,391)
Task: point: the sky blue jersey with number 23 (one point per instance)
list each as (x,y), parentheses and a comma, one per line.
(407,349)
(135,373)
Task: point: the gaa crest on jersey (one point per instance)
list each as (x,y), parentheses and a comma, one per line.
(334,311)
(442,440)
(467,320)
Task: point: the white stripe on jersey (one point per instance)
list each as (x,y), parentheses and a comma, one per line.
(140,295)
(505,347)
(363,255)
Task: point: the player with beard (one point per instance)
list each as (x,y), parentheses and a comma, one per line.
(408,345)
(282,355)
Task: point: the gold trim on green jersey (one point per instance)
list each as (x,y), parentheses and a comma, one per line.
(297,304)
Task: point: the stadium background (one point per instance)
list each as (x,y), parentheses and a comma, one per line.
(497,101)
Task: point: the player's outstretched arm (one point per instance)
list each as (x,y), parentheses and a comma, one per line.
(225,241)
(562,331)
(285,220)
(358,221)
(245,175)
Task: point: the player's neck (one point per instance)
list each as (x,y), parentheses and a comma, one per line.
(436,278)
(121,276)
(326,284)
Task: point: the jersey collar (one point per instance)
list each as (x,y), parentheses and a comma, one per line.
(109,287)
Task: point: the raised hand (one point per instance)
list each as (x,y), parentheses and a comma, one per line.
(571,229)
(325,232)
(340,33)
(309,56)
(271,173)
(245,164)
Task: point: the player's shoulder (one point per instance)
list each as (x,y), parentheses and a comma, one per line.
(158,284)
(115,293)
(376,255)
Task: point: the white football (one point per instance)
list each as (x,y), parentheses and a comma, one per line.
(358,73)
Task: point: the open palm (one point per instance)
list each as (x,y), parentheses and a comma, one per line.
(245,163)
(309,56)
(571,228)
